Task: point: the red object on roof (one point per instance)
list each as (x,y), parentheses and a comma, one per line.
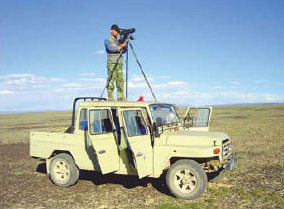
(141,99)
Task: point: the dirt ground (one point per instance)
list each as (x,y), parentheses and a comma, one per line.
(257,133)
(25,184)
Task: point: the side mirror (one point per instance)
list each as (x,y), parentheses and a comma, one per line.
(84,125)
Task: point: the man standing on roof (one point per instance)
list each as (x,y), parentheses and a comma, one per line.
(113,49)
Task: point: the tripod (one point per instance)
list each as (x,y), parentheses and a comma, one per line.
(140,66)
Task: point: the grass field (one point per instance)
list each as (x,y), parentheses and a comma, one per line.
(257,133)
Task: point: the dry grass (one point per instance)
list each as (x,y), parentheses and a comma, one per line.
(17,127)
(257,133)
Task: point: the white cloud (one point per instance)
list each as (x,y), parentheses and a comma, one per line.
(46,93)
(235,84)
(87,74)
(140,78)
(93,80)
(27,80)
(16,76)
(100,52)
(163,77)
(177,83)
(71,85)
(271,98)
(5,92)
(217,87)
(137,85)
(261,81)
(136,79)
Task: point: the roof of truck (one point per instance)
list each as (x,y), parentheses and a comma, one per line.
(118,103)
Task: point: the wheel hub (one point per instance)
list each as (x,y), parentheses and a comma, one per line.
(61,170)
(185,180)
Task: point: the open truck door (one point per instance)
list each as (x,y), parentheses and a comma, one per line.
(101,135)
(197,118)
(138,139)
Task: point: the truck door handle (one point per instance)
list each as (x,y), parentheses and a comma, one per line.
(139,154)
(102,151)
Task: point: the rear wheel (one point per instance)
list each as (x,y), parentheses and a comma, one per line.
(186,179)
(63,170)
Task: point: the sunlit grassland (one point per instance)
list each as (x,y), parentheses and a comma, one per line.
(257,134)
(16,127)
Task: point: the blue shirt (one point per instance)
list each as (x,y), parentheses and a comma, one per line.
(111,45)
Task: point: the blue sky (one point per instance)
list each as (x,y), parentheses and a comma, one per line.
(194,52)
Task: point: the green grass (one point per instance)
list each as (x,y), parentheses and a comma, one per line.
(193,205)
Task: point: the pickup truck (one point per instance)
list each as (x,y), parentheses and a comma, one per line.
(136,138)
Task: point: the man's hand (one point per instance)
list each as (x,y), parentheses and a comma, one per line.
(121,46)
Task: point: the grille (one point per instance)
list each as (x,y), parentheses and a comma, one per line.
(226,147)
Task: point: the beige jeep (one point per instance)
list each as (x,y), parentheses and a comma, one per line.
(136,138)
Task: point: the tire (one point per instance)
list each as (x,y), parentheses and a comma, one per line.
(186,179)
(63,171)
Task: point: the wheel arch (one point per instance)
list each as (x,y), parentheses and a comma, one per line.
(208,163)
(170,161)
(198,160)
(56,152)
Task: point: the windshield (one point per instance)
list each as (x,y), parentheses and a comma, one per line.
(163,114)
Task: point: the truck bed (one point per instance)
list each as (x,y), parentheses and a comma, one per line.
(43,144)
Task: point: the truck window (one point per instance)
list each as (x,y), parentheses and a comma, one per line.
(164,114)
(83,115)
(135,123)
(100,121)
(198,117)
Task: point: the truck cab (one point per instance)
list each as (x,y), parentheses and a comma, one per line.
(136,138)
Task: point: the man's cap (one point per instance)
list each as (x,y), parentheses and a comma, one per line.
(115,27)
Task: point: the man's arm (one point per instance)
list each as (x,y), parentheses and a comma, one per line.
(110,47)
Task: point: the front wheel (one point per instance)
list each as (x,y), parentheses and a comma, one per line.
(186,179)
(63,170)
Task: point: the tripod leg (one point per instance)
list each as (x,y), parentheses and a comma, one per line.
(126,79)
(140,66)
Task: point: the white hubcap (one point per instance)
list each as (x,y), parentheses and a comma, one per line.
(61,170)
(185,181)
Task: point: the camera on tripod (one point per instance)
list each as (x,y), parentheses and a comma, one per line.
(125,33)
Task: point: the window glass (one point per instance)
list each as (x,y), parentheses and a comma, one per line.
(100,121)
(83,116)
(135,123)
(163,114)
(197,117)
